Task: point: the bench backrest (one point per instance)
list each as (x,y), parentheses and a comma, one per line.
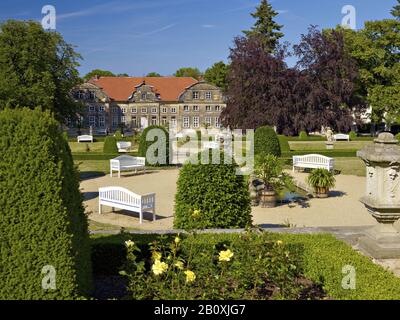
(128,161)
(312,158)
(85,137)
(120,195)
(124,144)
(341,136)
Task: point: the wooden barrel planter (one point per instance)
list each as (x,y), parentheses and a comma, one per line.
(268,199)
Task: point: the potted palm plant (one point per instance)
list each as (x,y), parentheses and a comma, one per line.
(321,180)
(269,169)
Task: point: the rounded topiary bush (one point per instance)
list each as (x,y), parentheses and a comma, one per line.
(43,226)
(154,146)
(266,142)
(284,144)
(110,145)
(352,135)
(397,136)
(211,196)
(303,135)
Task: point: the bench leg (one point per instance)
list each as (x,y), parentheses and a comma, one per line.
(119,173)
(154,214)
(99,208)
(140,217)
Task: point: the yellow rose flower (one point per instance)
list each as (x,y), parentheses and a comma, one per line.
(129,243)
(177,239)
(179,265)
(156,255)
(225,255)
(190,276)
(159,267)
(279,242)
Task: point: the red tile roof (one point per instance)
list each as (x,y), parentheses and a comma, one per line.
(121,88)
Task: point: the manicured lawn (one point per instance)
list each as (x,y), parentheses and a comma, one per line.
(320,145)
(350,166)
(81,147)
(98,166)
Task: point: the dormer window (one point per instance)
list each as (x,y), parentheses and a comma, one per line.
(80,94)
(92,95)
(208,95)
(144,96)
(196,95)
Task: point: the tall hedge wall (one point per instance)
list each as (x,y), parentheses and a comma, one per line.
(144,145)
(266,141)
(42,219)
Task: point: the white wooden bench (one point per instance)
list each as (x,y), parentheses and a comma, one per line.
(341,136)
(85,138)
(313,161)
(121,198)
(124,146)
(127,163)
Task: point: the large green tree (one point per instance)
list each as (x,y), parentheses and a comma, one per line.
(376,48)
(188,72)
(37,68)
(265,26)
(99,73)
(217,75)
(153,75)
(396,10)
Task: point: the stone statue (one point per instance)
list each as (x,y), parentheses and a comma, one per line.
(329,134)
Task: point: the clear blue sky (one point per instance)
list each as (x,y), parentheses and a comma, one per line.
(140,36)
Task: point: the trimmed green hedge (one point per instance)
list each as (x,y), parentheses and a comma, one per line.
(144,145)
(110,145)
(320,257)
(42,219)
(211,196)
(97,156)
(284,144)
(266,141)
(303,135)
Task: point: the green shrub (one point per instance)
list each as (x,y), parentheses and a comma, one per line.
(283,143)
(110,145)
(216,267)
(266,141)
(211,196)
(303,135)
(160,154)
(352,135)
(42,219)
(397,136)
(118,135)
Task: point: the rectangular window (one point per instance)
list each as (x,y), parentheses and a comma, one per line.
(92,108)
(123,110)
(114,109)
(173,122)
(92,121)
(154,110)
(164,110)
(102,108)
(115,121)
(208,108)
(217,108)
(123,119)
(173,110)
(80,94)
(209,95)
(154,121)
(92,95)
(186,123)
(196,95)
(217,122)
(208,121)
(196,108)
(102,122)
(144,110)
(144,96)
(133,110)
(186,108)
(196,122)
(164,121)
(134,122)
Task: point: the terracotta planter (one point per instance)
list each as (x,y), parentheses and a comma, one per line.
(321,192)
(268,199)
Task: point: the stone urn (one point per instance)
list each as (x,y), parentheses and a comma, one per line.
(382,196)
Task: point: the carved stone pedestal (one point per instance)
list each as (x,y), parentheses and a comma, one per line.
(382,198)
(329,145)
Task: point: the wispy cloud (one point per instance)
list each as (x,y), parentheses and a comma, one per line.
(152,32)
(282,11)
(208,26)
